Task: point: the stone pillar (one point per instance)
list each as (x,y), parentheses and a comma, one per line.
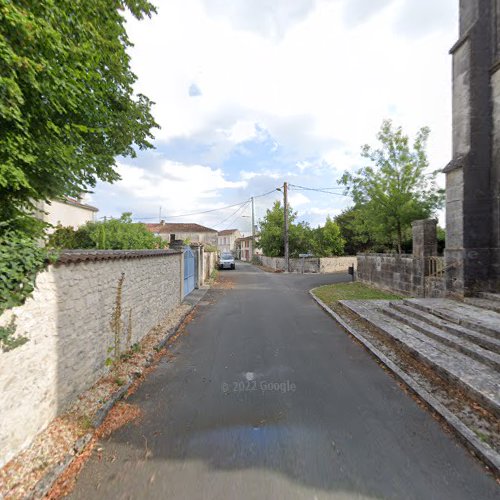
(177,245)
(471,193)
(424,238)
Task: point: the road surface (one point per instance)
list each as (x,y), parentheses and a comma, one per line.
(267,398)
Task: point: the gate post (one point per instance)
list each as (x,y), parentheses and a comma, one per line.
(178,246)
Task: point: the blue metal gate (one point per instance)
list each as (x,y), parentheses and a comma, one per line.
(189,276)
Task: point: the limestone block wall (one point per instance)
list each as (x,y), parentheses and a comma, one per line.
(276,263)
(337,264)
(68,322)
(322,265)
(402,274)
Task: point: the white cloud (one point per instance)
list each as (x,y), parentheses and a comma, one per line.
(324,83)
(270,18)
(269,174)
(315,76)
(298,199)
(177,188)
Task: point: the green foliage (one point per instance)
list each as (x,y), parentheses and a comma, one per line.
(67,105)
(271,238)
(322,241)
(21,259)
(114,234)
(397,188)
(135,348)
(8,341)
(209,248)
(327,240)
(356,232)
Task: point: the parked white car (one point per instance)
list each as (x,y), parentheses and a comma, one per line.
(226,261)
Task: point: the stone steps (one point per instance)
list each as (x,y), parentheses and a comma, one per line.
(472,317)
(483,303)
(489,296)
(478,379)
(480,339)
(463,345)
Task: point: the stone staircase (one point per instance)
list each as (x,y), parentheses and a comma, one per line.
(459,340)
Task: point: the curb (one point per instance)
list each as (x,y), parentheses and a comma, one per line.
(44,485)
(481,450)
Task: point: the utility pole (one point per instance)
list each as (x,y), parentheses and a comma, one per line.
(253,231)
(285,204)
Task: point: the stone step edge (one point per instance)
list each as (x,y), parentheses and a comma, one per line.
(451,318)
(472,391)
(462,345)
(490,296)
(466,436)
(491,305)
(481,339)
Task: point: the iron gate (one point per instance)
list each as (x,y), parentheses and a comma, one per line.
(189,277)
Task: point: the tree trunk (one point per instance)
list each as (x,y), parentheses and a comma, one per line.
(400,239)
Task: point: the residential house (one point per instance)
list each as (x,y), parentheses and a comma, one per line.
(244,248)
(192,233)
(226,240)
(67,212)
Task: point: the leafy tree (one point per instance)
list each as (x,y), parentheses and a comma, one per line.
(272,239)
(327,240)
(355,231)
(323,241)
(397,189)
(114,234)
(67,106)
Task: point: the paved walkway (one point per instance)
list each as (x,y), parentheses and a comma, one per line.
(267,398)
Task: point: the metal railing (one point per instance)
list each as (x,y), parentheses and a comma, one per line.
(435,267)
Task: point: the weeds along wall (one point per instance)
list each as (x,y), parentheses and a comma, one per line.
(86,309)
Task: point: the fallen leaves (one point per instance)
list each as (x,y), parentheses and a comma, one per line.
(121,414)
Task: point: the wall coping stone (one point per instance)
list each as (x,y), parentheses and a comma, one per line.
(74,256)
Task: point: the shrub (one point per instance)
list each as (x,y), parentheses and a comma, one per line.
(114,234)
(21,258)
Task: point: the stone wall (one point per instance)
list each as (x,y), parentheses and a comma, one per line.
(209,263)
(68,324)
(337,264)
(323,265)
(402,274)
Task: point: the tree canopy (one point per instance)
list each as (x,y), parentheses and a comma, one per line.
(67,105)
(322,241)
(396,188)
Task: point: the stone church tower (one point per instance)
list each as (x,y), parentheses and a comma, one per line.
(473,175)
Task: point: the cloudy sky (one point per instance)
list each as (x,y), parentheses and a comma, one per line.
(252,93)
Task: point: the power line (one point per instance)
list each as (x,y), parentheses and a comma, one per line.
(208,211)
(233,214)
(318,190)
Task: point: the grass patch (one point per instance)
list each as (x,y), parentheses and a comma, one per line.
(330,294)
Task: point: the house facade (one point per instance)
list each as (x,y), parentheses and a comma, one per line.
(226,240)
(67,212)
(189,232)
(244,248)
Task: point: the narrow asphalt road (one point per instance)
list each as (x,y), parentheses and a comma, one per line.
(267,398)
